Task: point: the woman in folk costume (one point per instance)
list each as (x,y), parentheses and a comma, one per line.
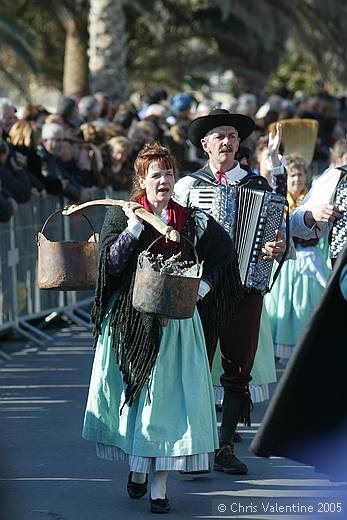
(301,283)
(150,399)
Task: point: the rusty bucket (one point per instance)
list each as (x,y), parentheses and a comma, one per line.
(165,295)
(68,265)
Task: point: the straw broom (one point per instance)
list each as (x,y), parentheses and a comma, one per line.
(298,136)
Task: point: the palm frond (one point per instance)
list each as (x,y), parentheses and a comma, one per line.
(13,36)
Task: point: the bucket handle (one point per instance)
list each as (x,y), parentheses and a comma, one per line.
(61,211)
(184,238)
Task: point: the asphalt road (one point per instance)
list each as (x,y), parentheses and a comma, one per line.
(48,472)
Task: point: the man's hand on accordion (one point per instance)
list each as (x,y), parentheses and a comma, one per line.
(273,250)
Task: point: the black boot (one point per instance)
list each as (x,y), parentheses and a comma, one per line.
(225,460)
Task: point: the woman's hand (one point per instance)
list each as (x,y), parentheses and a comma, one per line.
(274,145)
(273,250)
(163,322)
(129,209)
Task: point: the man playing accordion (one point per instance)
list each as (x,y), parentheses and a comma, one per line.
(219,135)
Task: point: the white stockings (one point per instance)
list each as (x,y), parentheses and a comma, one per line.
(158,486)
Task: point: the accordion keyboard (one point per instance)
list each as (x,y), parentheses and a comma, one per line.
(339,231)
(251,217)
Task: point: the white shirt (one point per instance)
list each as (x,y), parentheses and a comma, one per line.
(182,187)
(321,192)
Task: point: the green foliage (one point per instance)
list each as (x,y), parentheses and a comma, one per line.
(179,43)
(44,39)
(297,71)
(15,37)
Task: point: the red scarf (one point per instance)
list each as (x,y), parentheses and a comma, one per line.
(177,218)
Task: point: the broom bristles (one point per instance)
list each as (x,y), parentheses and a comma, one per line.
(298,136)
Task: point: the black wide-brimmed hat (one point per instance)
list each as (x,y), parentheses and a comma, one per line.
(199,127)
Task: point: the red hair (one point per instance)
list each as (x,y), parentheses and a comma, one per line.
(148,154)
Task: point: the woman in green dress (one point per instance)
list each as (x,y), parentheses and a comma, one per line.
(150,399)
(301,282)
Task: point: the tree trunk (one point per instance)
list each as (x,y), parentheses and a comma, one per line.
(76,81)
(108,48)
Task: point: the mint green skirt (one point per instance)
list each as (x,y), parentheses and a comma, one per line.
(174,416)
(294,297)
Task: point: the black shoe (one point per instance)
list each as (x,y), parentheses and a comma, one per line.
(237,437)
(160,505)
(136,490)
(225,460)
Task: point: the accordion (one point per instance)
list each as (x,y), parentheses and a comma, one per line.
(339,231)
(251,217)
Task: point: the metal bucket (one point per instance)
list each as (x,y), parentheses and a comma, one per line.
(69,265)
(165,295)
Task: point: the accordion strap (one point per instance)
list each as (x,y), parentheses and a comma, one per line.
(281,262)
(254,181)
(203,176)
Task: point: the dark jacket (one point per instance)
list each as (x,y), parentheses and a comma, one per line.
(82,177)
(6,210)
(33,166)
(307,416)
(16,184)
(53,169)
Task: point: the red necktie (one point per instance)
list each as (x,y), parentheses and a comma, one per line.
(220,176)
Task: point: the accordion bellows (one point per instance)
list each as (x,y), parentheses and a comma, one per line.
(251,217)
(298,136)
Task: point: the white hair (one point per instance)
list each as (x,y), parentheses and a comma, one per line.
(50,130)
(6,103)
(88,107)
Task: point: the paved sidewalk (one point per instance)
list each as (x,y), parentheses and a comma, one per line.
(48,472)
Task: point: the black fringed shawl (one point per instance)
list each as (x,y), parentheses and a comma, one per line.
(135,335)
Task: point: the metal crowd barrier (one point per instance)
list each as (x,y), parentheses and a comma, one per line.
(22,303)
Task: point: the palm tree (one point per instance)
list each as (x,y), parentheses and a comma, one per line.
(73,14)
(108,48)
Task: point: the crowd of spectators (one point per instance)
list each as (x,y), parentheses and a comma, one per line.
(90,143)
